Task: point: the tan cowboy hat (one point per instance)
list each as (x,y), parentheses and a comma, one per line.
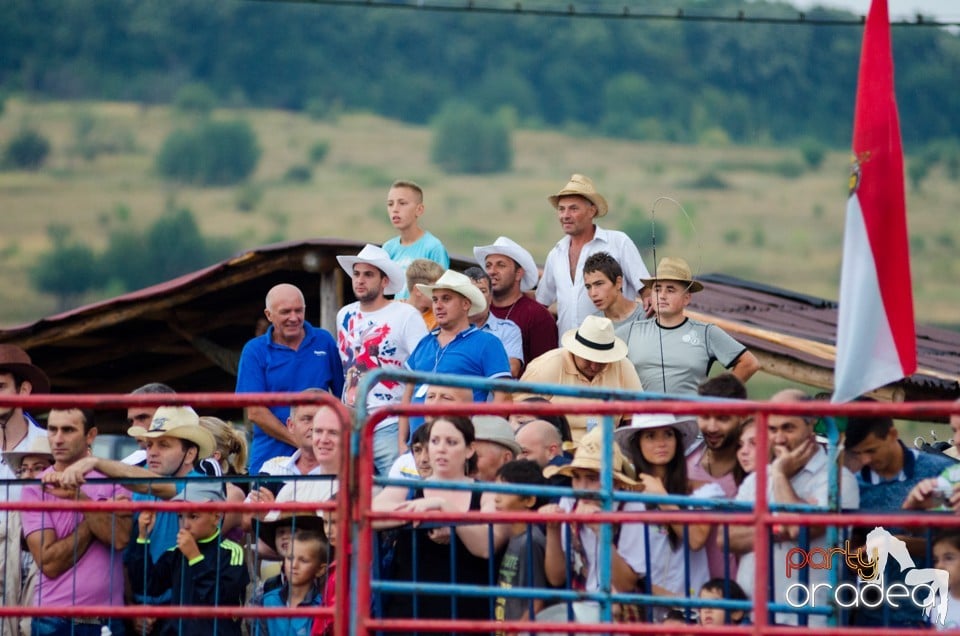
(522,257)
(595,340)
(677,269)
(589,456)
(181,422)
(378,257)
(581,186)
(39,447)
(686,428)
(15,360)
(455,281)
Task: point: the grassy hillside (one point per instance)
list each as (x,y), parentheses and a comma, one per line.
(747,215)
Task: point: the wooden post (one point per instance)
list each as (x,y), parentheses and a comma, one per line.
(331,298)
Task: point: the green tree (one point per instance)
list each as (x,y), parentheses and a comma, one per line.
(68,270)
(28,150)
(213,153)
(195,99)
(470,142)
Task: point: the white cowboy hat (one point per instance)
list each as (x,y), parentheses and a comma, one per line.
(581,186)
(181,422)
(376,256)
(455,281)
(685,426)
(595,340)
(677,269)
(509,248)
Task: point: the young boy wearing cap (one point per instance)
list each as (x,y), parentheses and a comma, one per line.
(627,559)
(405,207)
(299,539)
(672,352)
(203,569)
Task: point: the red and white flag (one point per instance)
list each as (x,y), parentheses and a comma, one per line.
(876,337)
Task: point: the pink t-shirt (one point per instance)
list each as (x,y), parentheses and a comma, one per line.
(97,575)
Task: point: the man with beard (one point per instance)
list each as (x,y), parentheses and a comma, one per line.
(715,460)
(376,332)
(512,272)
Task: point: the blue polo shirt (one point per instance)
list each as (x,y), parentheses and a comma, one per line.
(268,367)
(471,352)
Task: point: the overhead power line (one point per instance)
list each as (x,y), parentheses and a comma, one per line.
(624,12)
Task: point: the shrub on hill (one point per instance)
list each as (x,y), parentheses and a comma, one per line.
(28,150)
(467,141)
(213,153)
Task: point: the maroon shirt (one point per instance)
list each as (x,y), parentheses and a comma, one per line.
(537,326)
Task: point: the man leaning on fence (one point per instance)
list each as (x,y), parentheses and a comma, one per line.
(78,553)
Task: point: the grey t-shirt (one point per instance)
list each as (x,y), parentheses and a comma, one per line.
(677,359)
(522,566)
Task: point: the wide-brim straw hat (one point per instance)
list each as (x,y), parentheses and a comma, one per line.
(377,257)
(181,422)
(523,258)
(676,269)
(15,360)
(589,456)
(685,426)
(581,186)
(39,447)
(455,281)
(595,340)
(267,530)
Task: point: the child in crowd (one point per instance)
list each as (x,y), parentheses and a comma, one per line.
(304,569)
(201,570)
(404,207)
(323,625)
(713,590)
(276,533)
(627,554)
(422,271)
(522,563)
(415,463)
(946,556)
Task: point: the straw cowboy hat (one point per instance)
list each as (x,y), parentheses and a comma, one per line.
(581,186)
(39,447)
(455,281)
(677,269)
(376,256)
(15,360)
(595,340)
(589,456)
(686,428)
(181,422)
(508,248)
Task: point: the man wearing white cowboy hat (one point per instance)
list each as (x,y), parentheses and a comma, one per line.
(512,272)
(591,356)
(673,353)
(578,205)
(376,332)
(455,346)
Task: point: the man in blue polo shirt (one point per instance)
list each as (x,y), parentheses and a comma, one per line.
(291,356)
(455,346)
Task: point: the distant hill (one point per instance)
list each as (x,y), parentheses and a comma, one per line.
(655,80)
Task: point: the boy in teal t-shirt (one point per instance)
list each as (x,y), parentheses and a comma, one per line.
(404,207)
